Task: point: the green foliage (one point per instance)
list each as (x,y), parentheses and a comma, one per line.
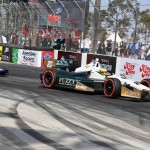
(129,15)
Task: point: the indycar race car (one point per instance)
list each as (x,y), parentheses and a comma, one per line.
(3,72)
(92,77)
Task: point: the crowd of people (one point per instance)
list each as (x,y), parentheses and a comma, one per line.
(71,43)
(123,49)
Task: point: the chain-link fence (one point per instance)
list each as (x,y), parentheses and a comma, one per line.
(33,24)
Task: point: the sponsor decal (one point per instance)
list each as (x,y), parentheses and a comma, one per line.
(29,53)
(14,55)
(49,64)
(82,87)
(29,57)
(106,62)
(65,81)
(107,67)
(62,62)
(6,50)
(1,52)
(70,57)
(6,54)
(47,56)
(145,70)
(129,68)
(130,93)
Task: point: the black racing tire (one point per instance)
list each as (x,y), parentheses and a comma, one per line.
(146,82)
(112,88)
(49,79)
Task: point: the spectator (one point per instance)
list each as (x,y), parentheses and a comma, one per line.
(116,49)
(148,54)
(87,43)
(44,42)
(54,39)
(137,50)
(38,40)
(131,48)
(109,46)
(62,42)
(126,53)
(122,49)
(49,40)
(101,49)
(69,43)
(134,50)
(58,43)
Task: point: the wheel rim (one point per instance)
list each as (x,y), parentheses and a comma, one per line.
(109,88)
(48,79)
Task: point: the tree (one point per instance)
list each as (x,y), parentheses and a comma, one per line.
(95,29)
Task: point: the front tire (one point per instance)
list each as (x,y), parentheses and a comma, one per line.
(112,88)
(49,78)
(146,82)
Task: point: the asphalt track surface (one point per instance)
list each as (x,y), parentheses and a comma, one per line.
(35,118)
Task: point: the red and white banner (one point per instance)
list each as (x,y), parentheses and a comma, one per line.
(29,57)
(134,69)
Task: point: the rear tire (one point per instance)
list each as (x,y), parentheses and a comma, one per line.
(146,82)
(112,88)
(49,78)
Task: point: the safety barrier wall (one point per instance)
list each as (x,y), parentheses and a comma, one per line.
(133,69)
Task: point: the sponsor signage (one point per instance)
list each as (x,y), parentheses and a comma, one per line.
(68,82)
(6,53)
(107,62)
(130,93)
(73,59)
(1,48)
(15,55)
(47,57)
(136,70)
(145,71)
(29,57)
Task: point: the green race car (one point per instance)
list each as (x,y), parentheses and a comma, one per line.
(92,77)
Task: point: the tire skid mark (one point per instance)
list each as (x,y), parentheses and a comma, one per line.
(76,128)
(120,130)
(142,118)
(27,129)
(126,132)
(14,139)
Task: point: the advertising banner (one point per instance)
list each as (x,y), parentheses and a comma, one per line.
(133,69)
(29,57)
(107,62)
(1,48)
(15,55)
(72,58)
(46,55)
(6,53)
